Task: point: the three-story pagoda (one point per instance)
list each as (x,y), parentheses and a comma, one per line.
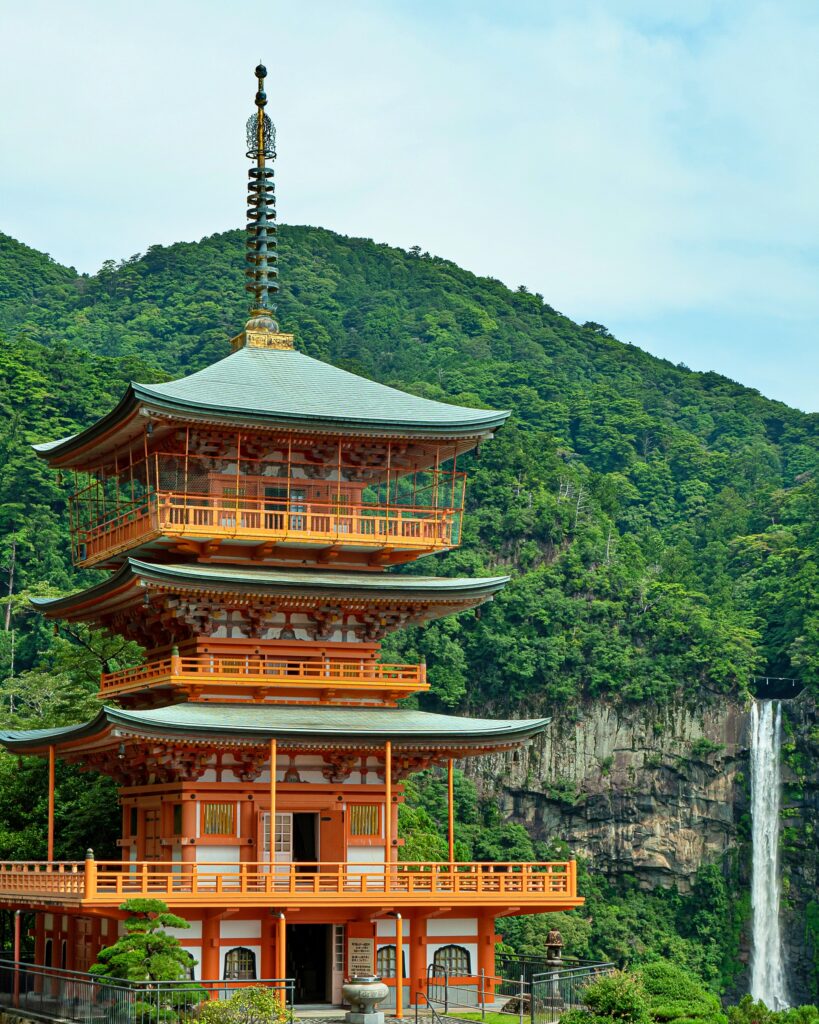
(248,515)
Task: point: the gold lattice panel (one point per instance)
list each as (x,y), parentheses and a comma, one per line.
(263,339)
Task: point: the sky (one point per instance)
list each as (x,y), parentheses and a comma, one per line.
(650,165)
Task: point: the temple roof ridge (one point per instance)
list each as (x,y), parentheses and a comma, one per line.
(284,387)
(263,579)
(290,721)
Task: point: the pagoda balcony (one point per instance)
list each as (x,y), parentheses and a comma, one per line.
(203,525)
(530,886)
(269,675)
(262,511)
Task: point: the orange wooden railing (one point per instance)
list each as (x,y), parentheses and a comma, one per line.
(226,671)
(47,878)
(422,881)
(260,519)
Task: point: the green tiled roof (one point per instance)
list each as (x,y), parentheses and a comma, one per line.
(268,386)
(248,722)
(305,581)
(292,386)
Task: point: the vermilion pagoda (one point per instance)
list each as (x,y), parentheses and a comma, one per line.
(248,515)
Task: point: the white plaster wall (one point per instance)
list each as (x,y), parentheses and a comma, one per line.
(194,932)
(240,929)
(218,854)
(385,928)
(364,856)
(452,926)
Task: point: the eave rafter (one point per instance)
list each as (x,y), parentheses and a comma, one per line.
(142,759)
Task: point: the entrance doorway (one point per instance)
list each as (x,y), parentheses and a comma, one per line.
(308,962)
(296,838)
(305,840)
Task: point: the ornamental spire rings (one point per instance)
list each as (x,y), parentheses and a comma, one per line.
(261,255)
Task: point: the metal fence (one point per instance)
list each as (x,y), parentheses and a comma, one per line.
(527,966)
(55,994)
(537,993)
(554,992)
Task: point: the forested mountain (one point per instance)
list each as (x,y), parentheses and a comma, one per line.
(661,526)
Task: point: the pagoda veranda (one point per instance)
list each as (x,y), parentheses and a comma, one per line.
(248,516)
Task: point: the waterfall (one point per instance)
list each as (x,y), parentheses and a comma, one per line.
(767,962)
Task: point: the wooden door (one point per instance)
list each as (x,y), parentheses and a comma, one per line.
(153,834)
(84,951)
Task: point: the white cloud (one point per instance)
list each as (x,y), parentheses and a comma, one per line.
(634,162)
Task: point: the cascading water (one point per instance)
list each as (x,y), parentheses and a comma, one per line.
(767,962)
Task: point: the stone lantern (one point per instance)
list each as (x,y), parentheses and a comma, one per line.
(554,947)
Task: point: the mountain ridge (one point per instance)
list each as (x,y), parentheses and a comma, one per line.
(57,273)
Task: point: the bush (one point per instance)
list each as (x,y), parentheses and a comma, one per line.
(749,1012)
(248,1006)
(677,997)
(618,997)
(146,952)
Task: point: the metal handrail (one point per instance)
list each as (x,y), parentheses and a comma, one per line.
(435,1015)
(56,993)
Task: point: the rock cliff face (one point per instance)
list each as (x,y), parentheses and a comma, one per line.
(649,792)
(654,792)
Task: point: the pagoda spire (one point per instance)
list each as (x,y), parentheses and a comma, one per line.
(261,202)
(261,330)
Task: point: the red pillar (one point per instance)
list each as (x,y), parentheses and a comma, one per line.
(210,949)
(17,923)
(247,823)
(188,849)
(281,947)
(399,969)
(418,957)
(451,811)
(486,951)
(50,854)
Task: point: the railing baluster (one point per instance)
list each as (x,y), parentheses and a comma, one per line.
(426,880)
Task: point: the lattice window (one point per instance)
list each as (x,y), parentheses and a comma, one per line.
(284,833)
(385,962)
(240,963)
(455,960)
(338,947)
(365,820)
(219,819)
